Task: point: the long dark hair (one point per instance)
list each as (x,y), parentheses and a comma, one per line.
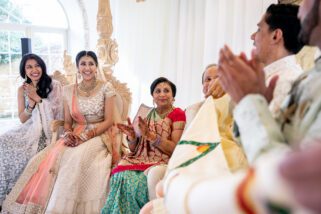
(44,86)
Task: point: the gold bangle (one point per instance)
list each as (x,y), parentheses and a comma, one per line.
(157,142)
(83,137)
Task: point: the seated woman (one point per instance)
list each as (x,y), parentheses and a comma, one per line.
(39,102)
(159,130)
(233,153)
(72,175)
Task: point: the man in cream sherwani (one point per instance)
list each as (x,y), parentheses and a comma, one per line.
(276,44)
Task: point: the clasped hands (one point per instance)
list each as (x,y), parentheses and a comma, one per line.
(31,92)
(215,89)
(73,140)
(240,76)
(143,127)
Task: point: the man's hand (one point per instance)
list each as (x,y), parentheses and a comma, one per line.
(215,89)
(240,76)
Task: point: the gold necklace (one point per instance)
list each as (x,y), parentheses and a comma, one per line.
(163,115)
(87,89)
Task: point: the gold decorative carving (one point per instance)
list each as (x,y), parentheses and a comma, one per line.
(122,90)
(107,47)
(69,68)
(107,50)
(57,75)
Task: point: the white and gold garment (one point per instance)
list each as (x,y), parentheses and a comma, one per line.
(266,141)
(201,127)
(203,152)
(80,173)
(81,185)
(19,145)
(288,71)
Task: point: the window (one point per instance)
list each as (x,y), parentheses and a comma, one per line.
(46,24)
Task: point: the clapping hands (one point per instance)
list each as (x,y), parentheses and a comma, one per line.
(240,76)
(215,89)
(144,130)
(128,130)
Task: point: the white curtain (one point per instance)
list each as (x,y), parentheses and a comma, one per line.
(177,39)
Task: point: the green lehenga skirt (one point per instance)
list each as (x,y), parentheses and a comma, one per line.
(128,193)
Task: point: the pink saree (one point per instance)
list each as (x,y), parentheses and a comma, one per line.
(36,192)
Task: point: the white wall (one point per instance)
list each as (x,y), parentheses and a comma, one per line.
(81,15)
(171,38)
(177,39)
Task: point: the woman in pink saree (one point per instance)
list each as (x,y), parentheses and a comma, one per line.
(70,175)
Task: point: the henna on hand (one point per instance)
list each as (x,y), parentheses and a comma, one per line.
(71,139)
(87,135)
(128,130)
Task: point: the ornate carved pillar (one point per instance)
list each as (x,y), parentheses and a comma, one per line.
(107,47)
(69,68)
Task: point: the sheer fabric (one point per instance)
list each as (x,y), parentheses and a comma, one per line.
(75,178)
(17,146)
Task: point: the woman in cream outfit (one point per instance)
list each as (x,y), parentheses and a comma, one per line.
(71,176)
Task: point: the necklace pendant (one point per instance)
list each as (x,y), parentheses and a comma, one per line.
(87,90)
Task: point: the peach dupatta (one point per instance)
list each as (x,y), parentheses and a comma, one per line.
(38,189)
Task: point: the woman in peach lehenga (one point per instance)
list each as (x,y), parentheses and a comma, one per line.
(71,176)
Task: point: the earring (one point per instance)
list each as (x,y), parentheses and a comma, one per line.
(26,77)
(78,76)
(173,102)
(154,104)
